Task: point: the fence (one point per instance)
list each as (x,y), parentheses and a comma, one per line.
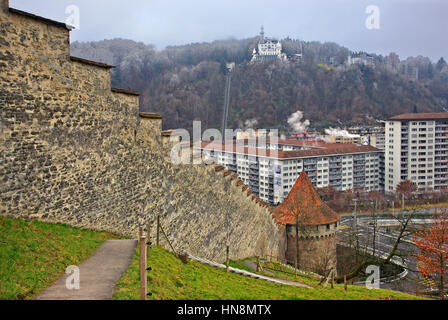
(277,263)
(145,248)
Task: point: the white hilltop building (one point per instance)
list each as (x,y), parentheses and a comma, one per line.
(268,49)
(360,58)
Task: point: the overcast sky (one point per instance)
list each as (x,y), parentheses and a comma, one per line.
(407,27)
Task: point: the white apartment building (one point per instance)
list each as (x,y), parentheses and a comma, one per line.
(417,150)
(272,172)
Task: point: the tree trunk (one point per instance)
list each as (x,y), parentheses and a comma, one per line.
(442,291)
(297,244)
(442,284)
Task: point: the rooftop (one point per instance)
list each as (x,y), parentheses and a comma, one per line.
(328,150)
(421,116)
(310,143)
(150,115)
(318,144)
(304,206)
(117,90)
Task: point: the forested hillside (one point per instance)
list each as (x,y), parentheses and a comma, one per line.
(185,83)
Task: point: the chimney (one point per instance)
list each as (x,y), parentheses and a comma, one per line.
(4,6)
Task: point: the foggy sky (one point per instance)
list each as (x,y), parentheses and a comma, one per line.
(408,27)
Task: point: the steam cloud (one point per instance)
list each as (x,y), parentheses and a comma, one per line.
(295,121)
(250,124)
(340,133)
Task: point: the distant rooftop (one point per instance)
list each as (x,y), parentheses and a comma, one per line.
(421,116)
(310,143)
(331,149)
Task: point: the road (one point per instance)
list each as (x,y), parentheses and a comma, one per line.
(385,240)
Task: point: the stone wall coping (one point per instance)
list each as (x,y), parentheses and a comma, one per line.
(149,115)
(219,168)
(132,93)
(41,19)
(168,133)
(92,63)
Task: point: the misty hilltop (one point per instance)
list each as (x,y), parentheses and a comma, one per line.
(186,83)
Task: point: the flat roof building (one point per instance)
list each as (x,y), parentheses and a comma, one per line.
(272,169)
(417,150)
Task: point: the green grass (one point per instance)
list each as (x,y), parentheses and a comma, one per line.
(173,280)
(34,254)
(276,270)
(279,271)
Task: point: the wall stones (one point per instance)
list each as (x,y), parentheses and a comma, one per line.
(75,151)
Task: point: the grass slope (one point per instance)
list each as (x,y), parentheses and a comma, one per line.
(34,254)
(173,280)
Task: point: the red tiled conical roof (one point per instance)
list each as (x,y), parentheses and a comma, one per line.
(303,201)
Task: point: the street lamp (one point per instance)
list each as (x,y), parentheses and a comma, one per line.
(355,216)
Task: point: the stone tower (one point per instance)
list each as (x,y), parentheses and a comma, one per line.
(311,224)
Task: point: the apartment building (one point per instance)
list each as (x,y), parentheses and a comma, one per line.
(417,150)
(272,170)
(348,139)
(378,141)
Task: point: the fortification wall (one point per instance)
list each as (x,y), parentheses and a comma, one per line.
(317,250)
(73,150)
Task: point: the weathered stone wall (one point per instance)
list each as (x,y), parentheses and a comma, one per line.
(74,151)
(317,249)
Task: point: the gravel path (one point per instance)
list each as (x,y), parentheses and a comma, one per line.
(98,274)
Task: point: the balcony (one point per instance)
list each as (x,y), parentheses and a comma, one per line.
(254,177)
(335,165)
(254,166)
(255,190)
(254,172)
(336,174)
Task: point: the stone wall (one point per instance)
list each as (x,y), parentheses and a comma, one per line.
(75,151)
(317,249)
